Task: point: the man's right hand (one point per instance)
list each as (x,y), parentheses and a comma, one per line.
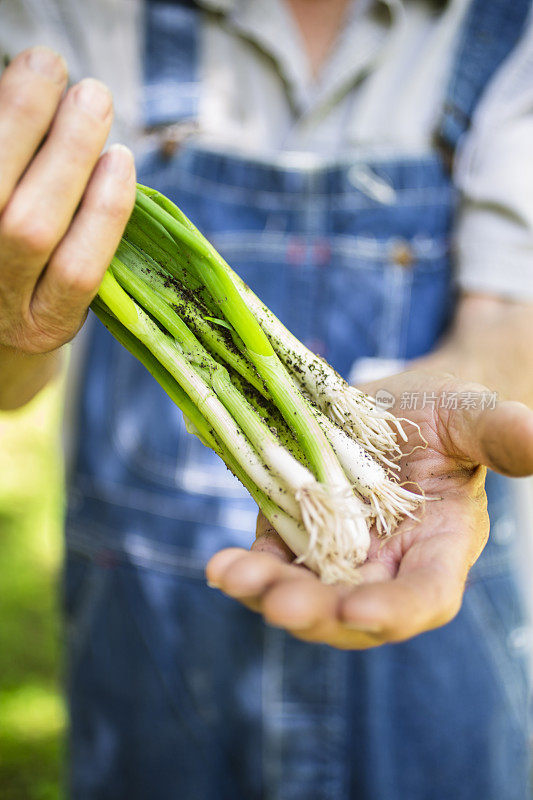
(63,205)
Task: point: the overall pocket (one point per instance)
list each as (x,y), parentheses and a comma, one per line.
(386,298)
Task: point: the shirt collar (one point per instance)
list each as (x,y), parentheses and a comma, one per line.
(220,6)
(359,46)
(270,25)
(227,6)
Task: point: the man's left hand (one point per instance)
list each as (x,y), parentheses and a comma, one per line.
(413,581)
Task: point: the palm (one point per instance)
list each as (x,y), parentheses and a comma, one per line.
(413,581)
(434,463)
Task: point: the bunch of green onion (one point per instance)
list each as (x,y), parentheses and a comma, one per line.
(317,455)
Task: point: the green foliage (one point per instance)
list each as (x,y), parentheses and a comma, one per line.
(32,712)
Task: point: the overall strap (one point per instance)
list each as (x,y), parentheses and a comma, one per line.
(490,31)
(171,62)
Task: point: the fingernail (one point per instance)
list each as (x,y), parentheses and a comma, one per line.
(47,62)
(212,585)
(93,97)
(119,161)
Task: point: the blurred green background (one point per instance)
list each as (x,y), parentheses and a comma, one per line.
(32,710)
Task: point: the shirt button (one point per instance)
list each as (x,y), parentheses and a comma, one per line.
(503,531)
(168,147)
(171,137)
(402,254)
(520,639)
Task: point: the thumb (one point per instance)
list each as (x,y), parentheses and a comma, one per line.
(500,438)
(268,540)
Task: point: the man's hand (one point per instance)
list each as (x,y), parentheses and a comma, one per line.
(414,581)
(63,205)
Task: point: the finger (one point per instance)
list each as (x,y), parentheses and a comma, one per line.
(309,611)
(245,576)
(77,266)
(41,208)
(500,438)
(219,562)
(301,605)
(289,597)
(30,90)
(506,436)
(252,574)
(240,573)
(268,540)
(375,572)
(426,593)
(381,608)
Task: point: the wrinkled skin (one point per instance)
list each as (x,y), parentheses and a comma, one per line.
(414,581)
(63,208)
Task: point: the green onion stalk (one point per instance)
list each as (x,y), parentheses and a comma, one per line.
(316,455)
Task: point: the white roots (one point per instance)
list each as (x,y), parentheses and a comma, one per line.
(375,428)
(390,502)
(338,526)
(339,538)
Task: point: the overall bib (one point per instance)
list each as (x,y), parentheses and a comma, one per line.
(178,693)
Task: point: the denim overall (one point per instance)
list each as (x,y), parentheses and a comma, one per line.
(178,693)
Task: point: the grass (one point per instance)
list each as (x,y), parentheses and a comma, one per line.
(32,711)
